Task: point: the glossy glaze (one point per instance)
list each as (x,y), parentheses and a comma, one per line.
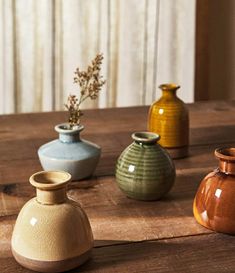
(169,118)
(70,153)
(144,170)
(52,233)
(214,205)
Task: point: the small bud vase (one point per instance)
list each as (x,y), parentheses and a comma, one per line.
(70,153)
(144,170)
(169,118)
(52,233)
(214,205)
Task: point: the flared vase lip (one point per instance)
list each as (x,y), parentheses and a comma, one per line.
(145,137)
(169,86)
(225,153)
(63,128)
(50,180)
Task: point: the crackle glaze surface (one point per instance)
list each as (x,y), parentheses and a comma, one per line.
(51,230)
(144,170)
(43,232)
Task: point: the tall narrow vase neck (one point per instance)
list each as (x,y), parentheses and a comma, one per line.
(226,158)
(66,134)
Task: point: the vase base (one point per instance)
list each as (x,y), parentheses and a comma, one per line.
(176,153)
(52,266)
(220,228)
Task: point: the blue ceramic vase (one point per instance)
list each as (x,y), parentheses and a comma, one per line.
(70,153)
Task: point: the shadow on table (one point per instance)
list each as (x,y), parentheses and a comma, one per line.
(175,255)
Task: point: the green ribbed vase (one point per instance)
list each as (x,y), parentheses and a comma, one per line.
(144,170)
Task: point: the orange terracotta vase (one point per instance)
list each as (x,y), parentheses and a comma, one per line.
(169,118)
(214,205)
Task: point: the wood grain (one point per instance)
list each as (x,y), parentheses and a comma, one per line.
(212,253)
(114,217)
(211,123)
(18,170)
(130,235)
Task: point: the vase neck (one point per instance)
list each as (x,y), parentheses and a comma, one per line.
(227,167)
(66,134)
(49,197)
(50,186)
(69,137)
(146,138)
(169,90)
(169,93)
(226,158)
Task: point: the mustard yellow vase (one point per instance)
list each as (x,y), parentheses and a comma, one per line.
(169,118)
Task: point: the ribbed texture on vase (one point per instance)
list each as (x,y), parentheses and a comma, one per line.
(145,172)
(169,118)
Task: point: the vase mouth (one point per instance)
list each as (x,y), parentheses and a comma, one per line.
(50,180)
(64,128)
(225,153)
(145,137)
(169,86)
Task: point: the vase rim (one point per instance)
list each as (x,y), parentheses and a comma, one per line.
(169,86)
(49,180)
(145,137)
(225,153)
(65,129)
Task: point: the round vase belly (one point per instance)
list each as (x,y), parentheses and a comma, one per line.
(70,153)
(144,170)
(52,233)
(214,206)
(169,118)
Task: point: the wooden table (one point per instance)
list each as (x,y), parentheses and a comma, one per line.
(130,236)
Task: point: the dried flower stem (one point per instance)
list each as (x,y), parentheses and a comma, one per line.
(90,83)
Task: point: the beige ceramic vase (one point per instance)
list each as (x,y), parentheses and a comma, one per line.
(52,233)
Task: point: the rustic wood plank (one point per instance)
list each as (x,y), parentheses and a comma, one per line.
(113,216)
(16,168)
(116,219)
(22,135)
(111,142)
(207,253)
(200,157)
(210,253)
(203,114)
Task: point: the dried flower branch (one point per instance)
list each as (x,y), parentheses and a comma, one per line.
(90,83)
(74,112)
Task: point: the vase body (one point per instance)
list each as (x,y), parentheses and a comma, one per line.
(214,206)
(144,170)
(70,153)
(52,233)
(169,118)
